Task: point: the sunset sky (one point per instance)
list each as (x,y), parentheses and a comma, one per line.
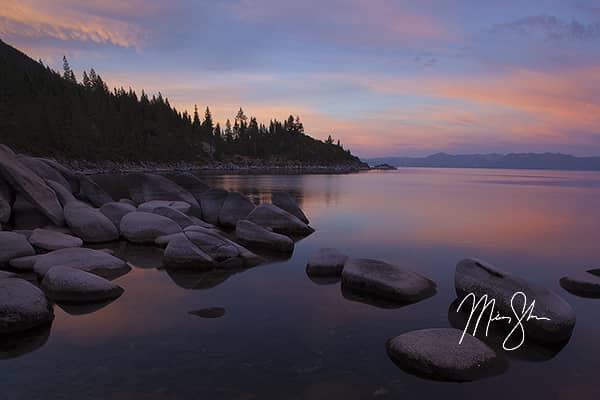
(385,77)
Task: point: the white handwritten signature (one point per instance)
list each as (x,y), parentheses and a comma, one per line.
(526,314)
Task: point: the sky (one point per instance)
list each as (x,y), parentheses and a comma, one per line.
(385,77)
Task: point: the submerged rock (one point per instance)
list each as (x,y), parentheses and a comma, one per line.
(280,221)
(116,210)
(95,261)
(22,306)
(65,284)
(13,245)
(31,186)
(150,206)
(51,240)
(181,253)
(236,206)
(211,202)
(143,227)
(326,262)
(254,236)
(437,354)
(89,223)
(389,281)
(584,284)
(148,187)
(480,278)
(91,192)
(286,202)
(211,312)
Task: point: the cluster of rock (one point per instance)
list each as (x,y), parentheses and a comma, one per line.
(583,284)
(48,212)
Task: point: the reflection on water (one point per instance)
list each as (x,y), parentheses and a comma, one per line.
(285,337)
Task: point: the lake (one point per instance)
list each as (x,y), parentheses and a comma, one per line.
(284,336)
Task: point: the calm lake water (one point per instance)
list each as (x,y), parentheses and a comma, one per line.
(286,337)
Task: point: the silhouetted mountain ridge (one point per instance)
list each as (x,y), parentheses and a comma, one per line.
(494,160)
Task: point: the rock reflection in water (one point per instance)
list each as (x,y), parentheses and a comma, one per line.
(17,345)
(195,280)
(372,300)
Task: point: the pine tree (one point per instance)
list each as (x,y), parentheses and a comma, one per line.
(86,80)
(207,124)
(67,71)
(196,123)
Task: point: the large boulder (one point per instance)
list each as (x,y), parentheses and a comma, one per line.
(437,354)
(49,240)
(286,202)
(150,206)
(235,207)
(481,278)
(211,202)
(24,264)
(326,262)
(584,284)
(116,210)
(389,281)
(31,186)
(13,245)
(256,237)
(69,285)
(7,198)
(182,220)
(148,187)
(22,306)
(143,227)
(89,223)
(95,261)
(44,170)
(63,194)
(189,182)
(181,253)
(70,175)
(225,252)
(91,192)
(280,221)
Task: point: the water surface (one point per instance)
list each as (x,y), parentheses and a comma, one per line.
(284,336)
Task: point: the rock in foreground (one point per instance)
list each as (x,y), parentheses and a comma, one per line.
(584,284)
(286,202)
(116,210)
(143,227)
(14,245)
(235,207)
(481,278)
(51,240)
(280,221)
(256,237)
(182,254)
(393,282)
(89,223)
(64,284)
(326,262)
(22,306)
(94,261)
(437,354)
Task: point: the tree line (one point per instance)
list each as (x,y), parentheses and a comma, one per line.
(44,112)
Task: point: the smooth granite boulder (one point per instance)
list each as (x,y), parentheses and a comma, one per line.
(91,192)
(51,240)
(211,202)
(389,281)
(116,210)
(584,284)
(24,264)
(89,223)
(26,216)
(286,202)
(70,175)
(235,207)
(31,186)
(22,306)
(69,285)
(181,253)
(62,193)
(7,198)
(189,182)
(225,252)
(150,206)
(481,278)
(95,261)
(256,237)
(437,354)
(280,221)
(44,170)
(148,187)
(143,227)
(6,274)
(182,220)
(13,245)
(326,262)
(128,201)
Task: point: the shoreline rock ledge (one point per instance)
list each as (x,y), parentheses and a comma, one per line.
(437,354)
(380,279)
(481,278)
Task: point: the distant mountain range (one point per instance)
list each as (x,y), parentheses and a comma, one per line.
(494,160)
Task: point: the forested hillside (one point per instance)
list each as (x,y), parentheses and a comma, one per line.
(43,112)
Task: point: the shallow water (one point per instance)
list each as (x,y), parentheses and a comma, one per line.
(284,336)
